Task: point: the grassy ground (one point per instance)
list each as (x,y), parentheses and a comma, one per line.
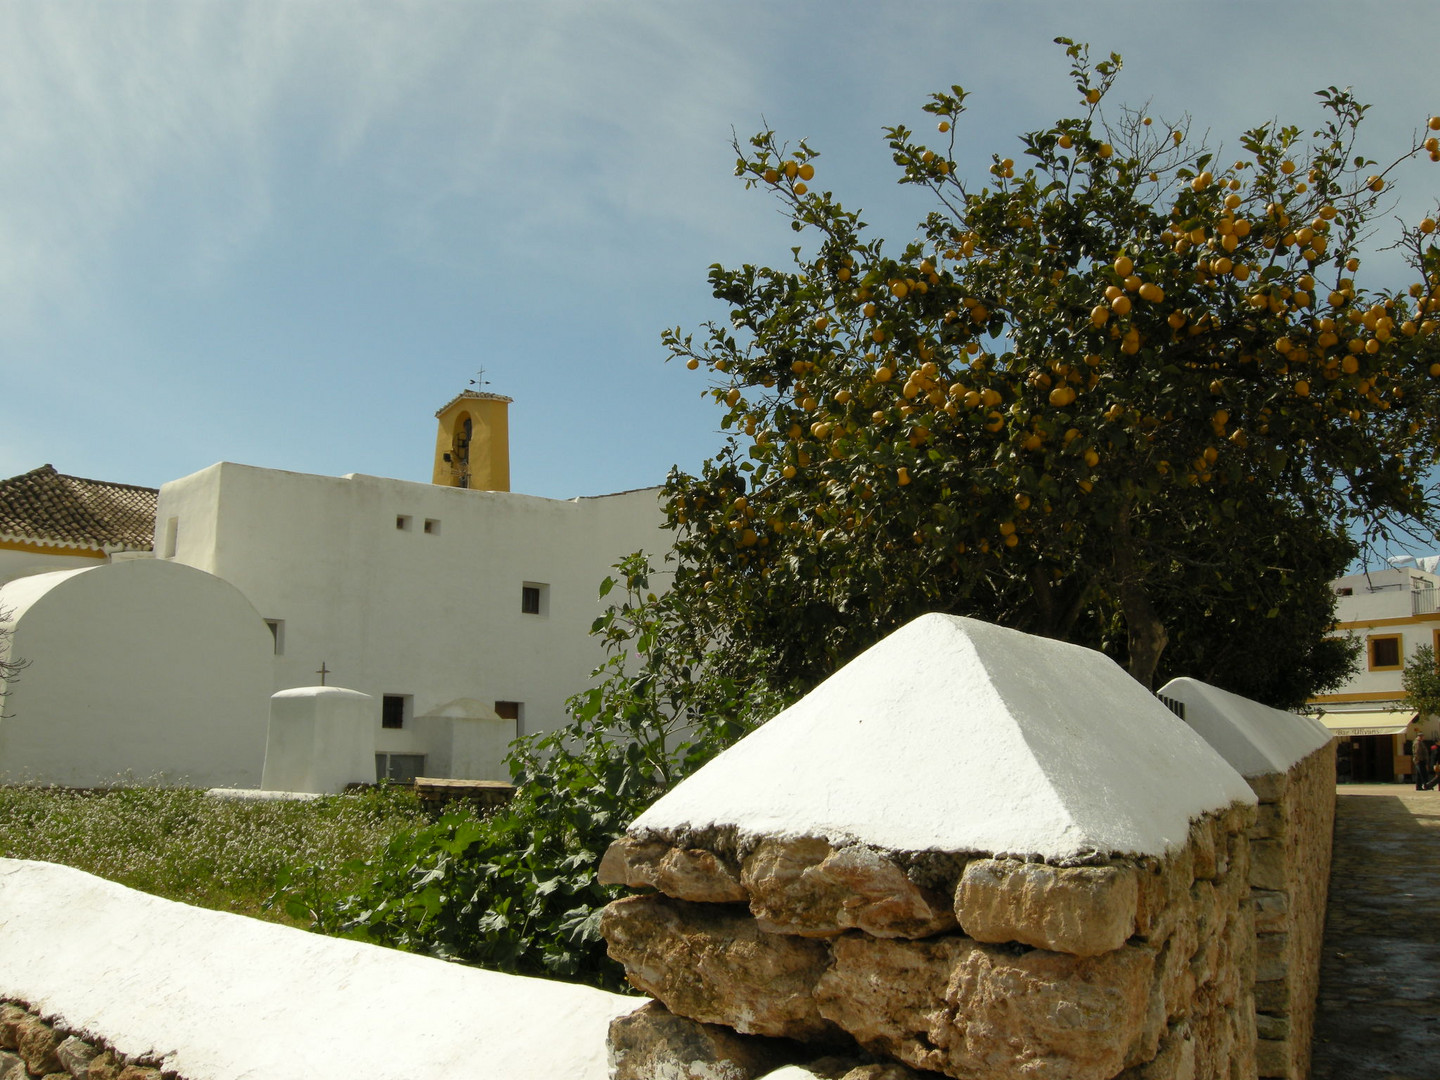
(184,845)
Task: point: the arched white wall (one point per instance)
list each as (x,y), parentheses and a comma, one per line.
(143,668)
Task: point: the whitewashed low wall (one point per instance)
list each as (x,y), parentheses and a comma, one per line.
(1289,762)
(214,996)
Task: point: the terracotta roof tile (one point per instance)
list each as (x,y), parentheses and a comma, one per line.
(47,507)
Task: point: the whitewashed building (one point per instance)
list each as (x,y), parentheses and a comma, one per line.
(1393,612)
(454,605)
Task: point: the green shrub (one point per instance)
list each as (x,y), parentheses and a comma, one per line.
(517,891)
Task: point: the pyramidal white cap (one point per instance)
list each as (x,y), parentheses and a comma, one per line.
(956,735)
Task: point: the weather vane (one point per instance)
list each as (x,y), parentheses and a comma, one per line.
(479,379)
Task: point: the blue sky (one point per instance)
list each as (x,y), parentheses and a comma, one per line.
(284,234)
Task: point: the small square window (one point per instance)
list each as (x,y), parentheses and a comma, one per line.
(1384,652)
(394,710)
(404,522)
(432,526)
(1345,590)
(534,598)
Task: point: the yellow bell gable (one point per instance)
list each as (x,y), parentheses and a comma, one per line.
(472,445)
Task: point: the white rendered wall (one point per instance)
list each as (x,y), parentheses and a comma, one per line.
(401,611)
(14,564)
(225,997)
(320,739)
(144,668)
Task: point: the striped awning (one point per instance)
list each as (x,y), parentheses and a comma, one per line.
(1387,722)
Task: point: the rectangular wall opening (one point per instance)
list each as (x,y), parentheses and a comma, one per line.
(535,598)
(399,768)
(277,631)
(395,710)
(512,710)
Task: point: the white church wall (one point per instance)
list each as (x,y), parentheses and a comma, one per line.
(414,590)
(15,564)
(142,667)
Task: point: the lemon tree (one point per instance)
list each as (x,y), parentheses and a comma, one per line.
(1126,389)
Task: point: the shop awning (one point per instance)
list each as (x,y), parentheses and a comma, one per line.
(1388,722)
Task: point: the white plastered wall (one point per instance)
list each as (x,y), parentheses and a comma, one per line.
(141,668)
(435,615)
(15,564)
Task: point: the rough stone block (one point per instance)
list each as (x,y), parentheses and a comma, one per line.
(1202,847)
(711,963)
(1272,910)
(1272,1027)
(1267,865)
(1164,892)
(75,1056)
(38,1043)
(1175,1059)
(1081,910)
(653,1042)
(104,1066)
(1271,822)
(1272,957)
(1269,787)
(11,1017)
(1272,1057)
(1003,1014)
(1273,996)
(8,1061)
(804,886)
(684,873)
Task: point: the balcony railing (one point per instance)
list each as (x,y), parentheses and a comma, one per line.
(1425,601)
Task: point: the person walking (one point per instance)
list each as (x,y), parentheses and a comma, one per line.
(1420,753)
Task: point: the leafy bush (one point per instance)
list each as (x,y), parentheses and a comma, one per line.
(517,890)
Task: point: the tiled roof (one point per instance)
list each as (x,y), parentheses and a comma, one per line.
(49,508)
(473,395)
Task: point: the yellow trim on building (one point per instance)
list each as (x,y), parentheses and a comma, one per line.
(1399,620)
(50,549)
(1368,695)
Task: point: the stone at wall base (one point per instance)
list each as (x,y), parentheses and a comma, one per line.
(1005,1013)
(653,1042)
(711,963)
(38,1043)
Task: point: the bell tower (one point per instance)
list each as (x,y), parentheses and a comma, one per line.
(472,445)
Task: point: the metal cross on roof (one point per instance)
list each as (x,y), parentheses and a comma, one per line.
(323,672)
(479,379)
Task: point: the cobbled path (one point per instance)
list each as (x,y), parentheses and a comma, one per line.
(1379,1008)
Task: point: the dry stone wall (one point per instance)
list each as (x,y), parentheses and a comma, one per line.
(33,1049)
(1289,763)
(970,853)
(1291,846)
(1010,969)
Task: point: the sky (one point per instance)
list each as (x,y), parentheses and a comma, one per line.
(286,233)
